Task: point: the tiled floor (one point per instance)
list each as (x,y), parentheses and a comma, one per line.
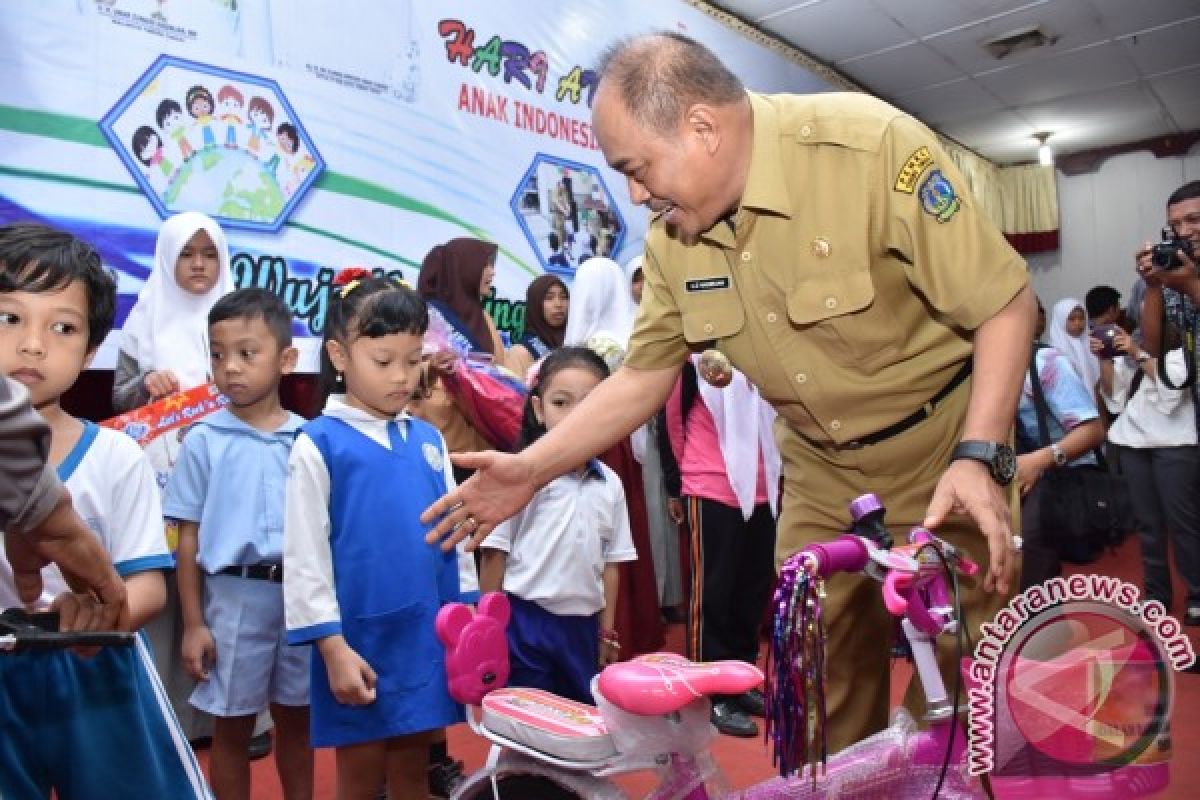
(747,761)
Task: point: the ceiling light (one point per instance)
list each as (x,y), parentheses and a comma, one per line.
(1045,154)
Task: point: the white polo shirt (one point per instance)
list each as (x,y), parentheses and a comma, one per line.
(559,544)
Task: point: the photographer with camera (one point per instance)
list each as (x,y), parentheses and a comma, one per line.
(1154,439)
(1172,282)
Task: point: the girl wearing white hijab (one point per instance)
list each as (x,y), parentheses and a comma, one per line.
(1068,333)
(602,310)
(164,344)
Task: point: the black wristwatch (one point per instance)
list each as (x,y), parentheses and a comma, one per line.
(1000,459)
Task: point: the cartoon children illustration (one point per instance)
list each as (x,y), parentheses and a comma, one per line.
(200,105)
(148,147)
(231,101)
(170,119)
(260,116)
(289,143)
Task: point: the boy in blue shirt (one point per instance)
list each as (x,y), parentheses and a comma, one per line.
(97,727)
(227,492)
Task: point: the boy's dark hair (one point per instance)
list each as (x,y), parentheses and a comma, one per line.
(557,361)
(166,107)
(1189,191)
(1100,299)
(254,303)
(36,258)
(377,306)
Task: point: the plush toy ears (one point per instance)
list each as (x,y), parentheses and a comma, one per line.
(450,622)
(495,605)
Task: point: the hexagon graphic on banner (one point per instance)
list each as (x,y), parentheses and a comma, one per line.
(201,138)
(567,213)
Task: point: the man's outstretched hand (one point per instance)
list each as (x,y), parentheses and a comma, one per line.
(501,486)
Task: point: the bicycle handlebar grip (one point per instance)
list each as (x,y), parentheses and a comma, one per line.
(847,553)
(896,603)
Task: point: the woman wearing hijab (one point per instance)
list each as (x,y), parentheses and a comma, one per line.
(547,301)
(1068,333)
(601,319)
(454,279)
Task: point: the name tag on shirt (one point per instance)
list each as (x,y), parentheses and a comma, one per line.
(706,284)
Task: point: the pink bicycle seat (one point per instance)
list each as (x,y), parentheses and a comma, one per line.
(476,647)
(661,683)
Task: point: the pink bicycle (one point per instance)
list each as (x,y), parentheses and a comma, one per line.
(652,713)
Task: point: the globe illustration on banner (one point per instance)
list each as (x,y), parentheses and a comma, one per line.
(202,138)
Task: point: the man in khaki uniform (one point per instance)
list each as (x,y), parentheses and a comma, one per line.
(826,245)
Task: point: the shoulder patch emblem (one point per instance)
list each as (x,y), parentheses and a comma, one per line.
(938,197)
(913,169)
(433,455)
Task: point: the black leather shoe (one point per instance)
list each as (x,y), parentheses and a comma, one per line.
(729,719)
(260,746)
(753,703)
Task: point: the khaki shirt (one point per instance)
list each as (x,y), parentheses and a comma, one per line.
(850,282)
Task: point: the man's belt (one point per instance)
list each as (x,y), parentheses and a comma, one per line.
(920,415)
(257,572)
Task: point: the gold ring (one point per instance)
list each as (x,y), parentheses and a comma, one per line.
(471,519)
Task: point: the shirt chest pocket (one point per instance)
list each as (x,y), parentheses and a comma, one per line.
(846,313)
(711,315)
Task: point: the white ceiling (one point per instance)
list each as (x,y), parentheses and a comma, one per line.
(1121,70)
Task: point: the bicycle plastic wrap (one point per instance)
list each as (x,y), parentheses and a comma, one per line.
(686,732)
(878,767)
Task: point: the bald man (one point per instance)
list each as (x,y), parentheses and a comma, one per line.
(825,244)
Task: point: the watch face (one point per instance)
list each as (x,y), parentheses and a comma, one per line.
(1004,465)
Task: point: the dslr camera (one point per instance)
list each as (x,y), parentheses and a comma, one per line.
(1165,254)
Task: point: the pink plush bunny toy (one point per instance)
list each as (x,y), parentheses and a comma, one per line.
(476,647)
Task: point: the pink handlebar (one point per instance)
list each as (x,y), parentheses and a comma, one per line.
(847,553)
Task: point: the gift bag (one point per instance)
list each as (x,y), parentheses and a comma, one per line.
(490,397)
(159,427)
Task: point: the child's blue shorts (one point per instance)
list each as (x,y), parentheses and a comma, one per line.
(91,728)
(255,665)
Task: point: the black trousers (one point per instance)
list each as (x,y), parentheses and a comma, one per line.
(1163,483)
(733,575)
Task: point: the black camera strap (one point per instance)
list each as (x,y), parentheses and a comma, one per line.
(1189,360)
(1189,355)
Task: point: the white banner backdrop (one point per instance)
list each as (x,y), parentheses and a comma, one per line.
(327,133)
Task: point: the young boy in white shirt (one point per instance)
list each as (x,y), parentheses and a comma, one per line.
(98,727)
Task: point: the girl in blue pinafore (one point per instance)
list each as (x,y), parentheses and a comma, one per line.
(359,580)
